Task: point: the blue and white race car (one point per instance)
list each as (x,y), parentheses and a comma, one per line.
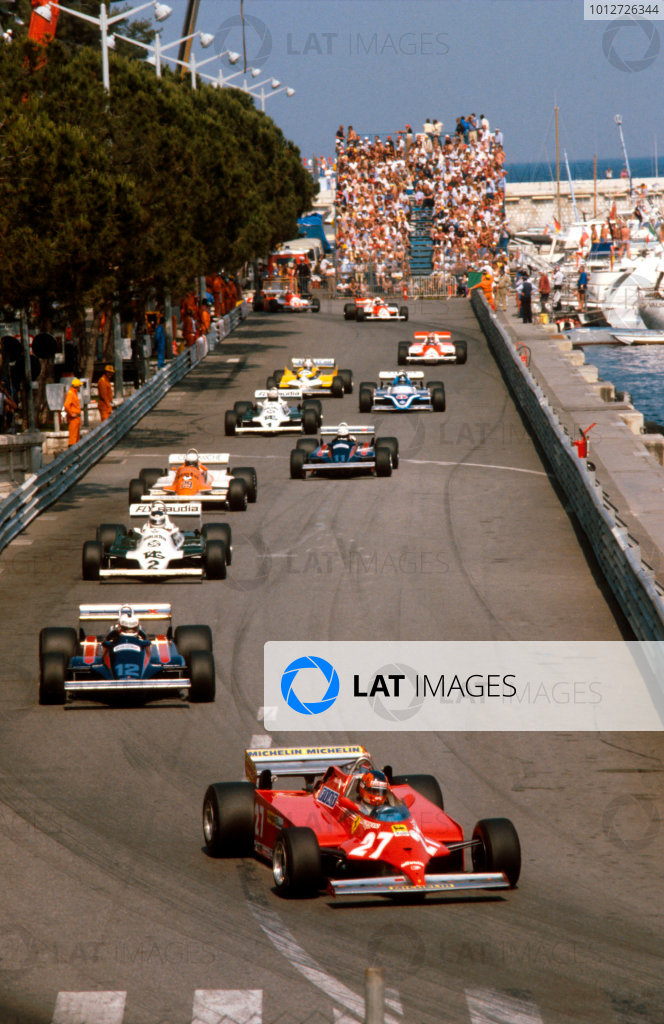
(345,450)
(399,391)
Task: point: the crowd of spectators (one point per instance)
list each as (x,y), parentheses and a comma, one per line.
(381,184)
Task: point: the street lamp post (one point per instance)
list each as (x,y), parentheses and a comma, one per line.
(161,12)
(158,51)
(274,86)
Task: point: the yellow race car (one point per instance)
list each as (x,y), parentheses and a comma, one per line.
(313,377)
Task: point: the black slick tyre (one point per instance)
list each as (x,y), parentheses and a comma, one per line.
(52,678)
(248,474)
(347,378)
(498,849)
(93,555)
(220,531)
(366,400)
(402,357)
(107,534)
(231,420)
(315,305)
(393,444)
(309,421)
(228,819)
(307,444)
(214,560)
(136,490)
(461,351)
(349,311)
(438,398)
(237,495)
(58,640)
(201,676)
(337,388)
(296,863)
(297,461)
(426,785)
(403,312)
(383,462)
(192,638)
(150,475)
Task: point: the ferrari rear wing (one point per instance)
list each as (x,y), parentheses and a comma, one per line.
(391,374)
(178,508)
(293,761)
(104,612)
(387,884)
(207,458)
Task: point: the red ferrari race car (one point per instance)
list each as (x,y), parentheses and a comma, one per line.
(357,830)
(432,347)
(374,309)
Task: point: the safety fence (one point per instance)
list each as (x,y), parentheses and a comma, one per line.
(632,581)
(43,488)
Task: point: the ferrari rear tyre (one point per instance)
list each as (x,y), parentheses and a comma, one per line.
(337,388)
(201,676)
(296,863)
(214,560)
(237,495)
(383,462)
(426,785)
(150,476)
(349,311)
(192,638)
(307,444)
(438,398)
(309,421)
(347,378)
(366,400)
(402,357)
(58,640)
(136,490)
(403,311)
(230,423)
(52,679)
(228,819)
(393,444)
(93,555)
(461,351)
(219,531)
(248,474)
(108,533)
(315,305)
(297,461)
(499,848)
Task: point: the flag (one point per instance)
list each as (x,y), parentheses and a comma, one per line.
(613,212)
(556,225)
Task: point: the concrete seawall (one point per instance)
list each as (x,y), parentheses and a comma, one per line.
(531,203)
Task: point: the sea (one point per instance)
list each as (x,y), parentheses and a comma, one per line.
(638,369)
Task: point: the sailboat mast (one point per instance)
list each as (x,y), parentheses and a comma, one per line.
(558,170)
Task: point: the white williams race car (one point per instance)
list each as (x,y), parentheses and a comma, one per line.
(270,413)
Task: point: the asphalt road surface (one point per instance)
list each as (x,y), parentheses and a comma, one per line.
(111,912)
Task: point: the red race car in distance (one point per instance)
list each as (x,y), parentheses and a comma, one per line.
(354,829)
(432,347)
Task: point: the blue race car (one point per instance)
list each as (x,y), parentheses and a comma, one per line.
(401,392)
(345,450)
(125,662)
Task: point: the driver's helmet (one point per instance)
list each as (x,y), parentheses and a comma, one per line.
(373,788)
(127,620)
(191,458)
(402,378)
(273,395)
(308,364)
(431,338)
(158,514)
(343,430)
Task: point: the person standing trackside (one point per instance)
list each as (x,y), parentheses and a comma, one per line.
(327,268)
(160,340)
(105,393)
(72,409)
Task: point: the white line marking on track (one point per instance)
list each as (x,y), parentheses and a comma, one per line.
(228,1006)
(22,542)
(260,741)
(287,945)
(476,465)
(89,1008)
(489,1007)
(232,359)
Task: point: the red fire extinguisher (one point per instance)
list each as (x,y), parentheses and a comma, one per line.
(582,444)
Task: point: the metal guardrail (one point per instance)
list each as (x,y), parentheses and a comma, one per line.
(619,556)
(43,488)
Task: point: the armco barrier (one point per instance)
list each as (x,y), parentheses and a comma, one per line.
(43,488)
(618,554)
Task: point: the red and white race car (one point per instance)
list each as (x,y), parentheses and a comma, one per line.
(432,347)
(374,309)
(355,829)
(283,300)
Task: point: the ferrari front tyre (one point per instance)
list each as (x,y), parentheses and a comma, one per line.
(461,351)
(296,863)
(230,423)
(337,388)
(349,311)
(219,531)
(438,398)
(136,490)
(498,848)
(297,461)
(228,819)
(150,475)
(366,400)
(201,676)
(248,474)
(58,640)
(307,444)
(347,378)
(383,462)
(426,785)
(108,533)
(402,357)
(315,305)
(52,679)
(309,421)
(403,311)
(393,444)
(214,560)
(192,638)
(237,495)
(93,555)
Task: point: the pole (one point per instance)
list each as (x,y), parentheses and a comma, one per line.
(168,323)
(571,188)
(157,54)
(103,25)
(117,348)
(558,171)
(594,184)
(618,120)
(25,338)
(374,996)
(193,71)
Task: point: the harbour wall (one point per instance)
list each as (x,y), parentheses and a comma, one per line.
(531,204)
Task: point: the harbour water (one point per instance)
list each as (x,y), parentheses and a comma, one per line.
(641,167)
(638,369)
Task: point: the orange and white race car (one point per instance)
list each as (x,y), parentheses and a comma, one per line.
(208,477)
(374,309)
(432,347)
